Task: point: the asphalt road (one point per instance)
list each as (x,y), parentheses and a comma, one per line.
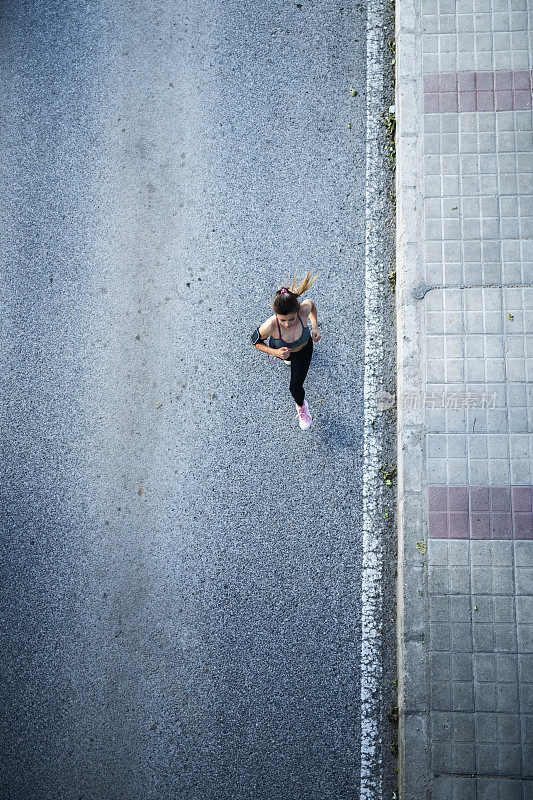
(181,563)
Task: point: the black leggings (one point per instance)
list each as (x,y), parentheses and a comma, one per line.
(299,367)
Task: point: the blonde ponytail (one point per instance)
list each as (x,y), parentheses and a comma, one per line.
(303,286)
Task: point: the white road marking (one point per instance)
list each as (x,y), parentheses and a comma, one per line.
(371,588)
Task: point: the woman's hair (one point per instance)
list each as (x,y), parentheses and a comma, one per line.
(286,302)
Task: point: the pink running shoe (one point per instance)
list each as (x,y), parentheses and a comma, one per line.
(304,417)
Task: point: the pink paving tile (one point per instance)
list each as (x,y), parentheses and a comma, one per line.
(480,525)
(458,499)
(431,103)
(448,82)
(458,526)
(466,81)
(503,80)
(477,91)
(437,498)
(448,101)
(501,526)
(521,80)
(467,101)
(484,81)
(479,498)
(496,512)
(522,100)
(485,101)
(523,525)
(503,101)
(522,498)
(431,83)
(438,526)
(500,498)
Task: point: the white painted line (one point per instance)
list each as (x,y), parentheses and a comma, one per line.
(371,584)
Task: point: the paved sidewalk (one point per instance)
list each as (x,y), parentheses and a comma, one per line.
(465,398)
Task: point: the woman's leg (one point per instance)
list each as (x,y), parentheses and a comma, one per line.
(299,367)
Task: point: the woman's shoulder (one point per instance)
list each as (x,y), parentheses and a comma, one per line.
(268,326)
(305,307)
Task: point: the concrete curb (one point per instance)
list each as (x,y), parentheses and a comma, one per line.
(413,756)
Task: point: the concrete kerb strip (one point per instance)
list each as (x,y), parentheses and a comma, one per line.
(413,752)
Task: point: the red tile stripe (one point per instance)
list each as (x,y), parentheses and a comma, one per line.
(478,91)
(480,512)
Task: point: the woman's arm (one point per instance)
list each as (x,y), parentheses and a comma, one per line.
(266,349)
(312,312)
(312,315)
(264,333)
(314,322)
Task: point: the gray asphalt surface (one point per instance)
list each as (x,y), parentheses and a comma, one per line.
(181,563)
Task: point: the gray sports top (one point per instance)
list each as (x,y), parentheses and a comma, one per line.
(277,343)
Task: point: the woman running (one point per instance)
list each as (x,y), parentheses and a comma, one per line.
(291,340)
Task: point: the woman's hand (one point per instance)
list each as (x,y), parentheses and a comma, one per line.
(283,352)
(316,335)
